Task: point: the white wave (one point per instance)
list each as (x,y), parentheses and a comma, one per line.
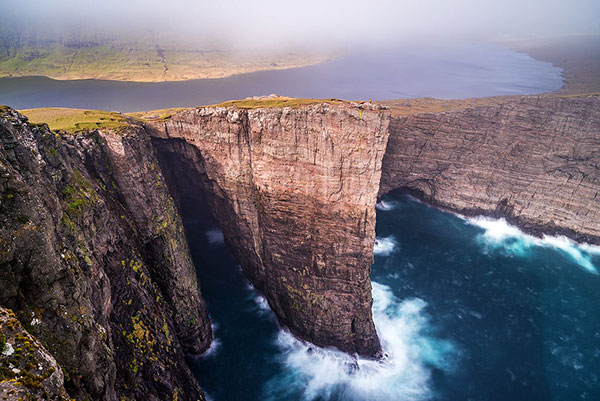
(313,373)
(262,303)
(499,234)
(384,246)
(386,205)
(215,344)
(215,236)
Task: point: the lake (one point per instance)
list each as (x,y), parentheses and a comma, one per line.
(440,70)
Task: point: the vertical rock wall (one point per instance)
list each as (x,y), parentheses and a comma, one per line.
(294,191)
(534,160)
(94,263)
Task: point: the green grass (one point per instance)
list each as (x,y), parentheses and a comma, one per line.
(76,120)
(162,114)
(140,61)
(279,102)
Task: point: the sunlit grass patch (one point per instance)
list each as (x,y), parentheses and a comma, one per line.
(75,120)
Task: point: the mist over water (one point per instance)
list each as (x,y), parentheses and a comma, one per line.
(440,69)
(465,308)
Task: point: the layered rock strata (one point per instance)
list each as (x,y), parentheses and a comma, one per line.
(294,191)
(533,160)
(94,262)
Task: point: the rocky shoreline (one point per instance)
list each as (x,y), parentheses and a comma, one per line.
(95,264)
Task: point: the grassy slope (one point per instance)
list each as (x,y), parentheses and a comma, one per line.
(277,102)
(75,120)
(141,62)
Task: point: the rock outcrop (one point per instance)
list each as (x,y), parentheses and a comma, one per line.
(93,257)
(533,160)
(28,370)
(94,262)
(294,191)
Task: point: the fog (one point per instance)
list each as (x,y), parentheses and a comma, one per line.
(272,24)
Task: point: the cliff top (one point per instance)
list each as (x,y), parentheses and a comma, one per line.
(267,102)
(405,107)
(80,120)
(75,120)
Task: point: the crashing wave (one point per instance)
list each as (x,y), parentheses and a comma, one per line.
(312,373)
(499,234)
(384,246)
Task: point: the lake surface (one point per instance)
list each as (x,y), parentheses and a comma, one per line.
(466,310)
(446,71)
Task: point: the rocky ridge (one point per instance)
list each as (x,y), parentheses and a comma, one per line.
(94,263)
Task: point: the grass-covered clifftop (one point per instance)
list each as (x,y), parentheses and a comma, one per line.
(136,61)
(75,120)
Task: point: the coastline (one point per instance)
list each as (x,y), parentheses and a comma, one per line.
(578,56)
(178,71)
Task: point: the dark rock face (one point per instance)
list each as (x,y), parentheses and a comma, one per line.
(294,191)
(27,370)
(535,160)
(94,263)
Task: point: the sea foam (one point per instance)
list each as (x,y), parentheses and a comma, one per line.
(215,236)
(500,234)
(215,344)
(313,373)
(386,205)
(384,246)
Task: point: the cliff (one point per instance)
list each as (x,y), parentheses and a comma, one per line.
(294,191)
(534,160)
(94,263)
(28,370)
(93,257)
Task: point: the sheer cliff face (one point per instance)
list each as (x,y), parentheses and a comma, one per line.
(94,262)
(294,191)
(535,160)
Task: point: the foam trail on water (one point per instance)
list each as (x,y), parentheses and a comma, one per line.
(384,246)
(262,304)
(215,236)
(499,234)
(386,205)
(215,344)
(313,373)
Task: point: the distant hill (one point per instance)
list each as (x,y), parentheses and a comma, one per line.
(135,61)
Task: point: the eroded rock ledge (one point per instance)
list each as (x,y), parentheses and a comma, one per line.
(294,191)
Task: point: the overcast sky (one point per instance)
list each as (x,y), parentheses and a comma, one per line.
(267,23)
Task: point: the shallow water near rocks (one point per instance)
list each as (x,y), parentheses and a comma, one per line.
(465,308)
